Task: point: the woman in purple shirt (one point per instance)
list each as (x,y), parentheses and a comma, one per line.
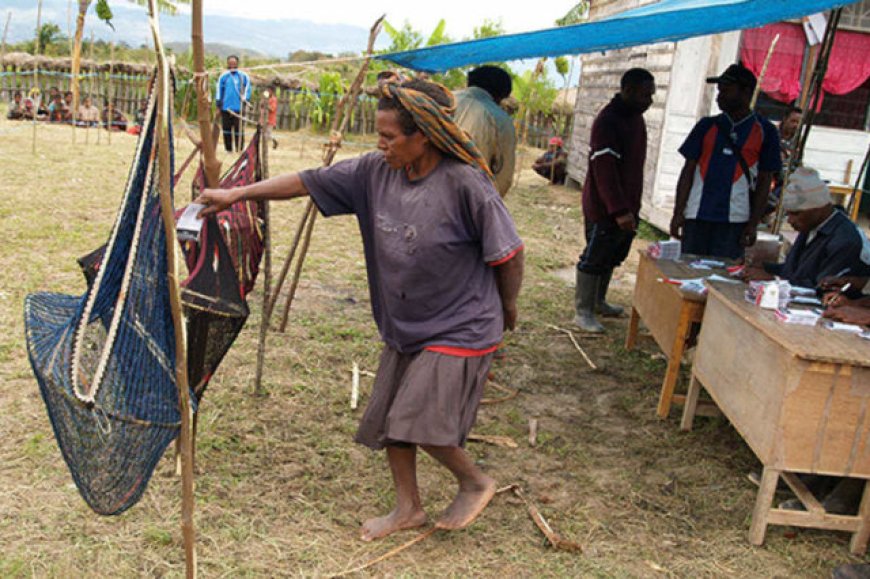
(444,265)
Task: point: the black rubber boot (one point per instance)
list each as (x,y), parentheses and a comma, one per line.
(602,307)
(585,298)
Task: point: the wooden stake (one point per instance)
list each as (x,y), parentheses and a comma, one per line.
(74,111)
(763,72)
(5,33)
(533,431)
(297,271)
(211,164)
(265,314)
(91,88)
(111,116)
(167,210)
(354,387)
(36,72)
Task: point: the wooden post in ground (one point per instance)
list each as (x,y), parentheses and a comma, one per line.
(210,162)
(5,34)
(167,210)
(339,124)
(265,313)
(91,87)
(110,117)
(36,71)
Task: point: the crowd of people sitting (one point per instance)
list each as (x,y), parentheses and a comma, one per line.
(58,108)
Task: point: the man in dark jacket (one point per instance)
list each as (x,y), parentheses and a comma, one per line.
(612,194)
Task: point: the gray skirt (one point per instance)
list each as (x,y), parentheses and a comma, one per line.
(423,398)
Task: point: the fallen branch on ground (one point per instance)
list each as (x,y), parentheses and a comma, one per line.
(503,441)
(576,345)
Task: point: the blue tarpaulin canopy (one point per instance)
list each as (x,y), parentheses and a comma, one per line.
(664,21)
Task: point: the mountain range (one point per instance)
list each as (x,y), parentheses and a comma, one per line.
(277,37)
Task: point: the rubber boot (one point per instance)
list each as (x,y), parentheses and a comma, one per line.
(585,297)
(602,307)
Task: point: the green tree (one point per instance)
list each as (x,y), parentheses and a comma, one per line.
(577,14)
(49,37)
(488,29)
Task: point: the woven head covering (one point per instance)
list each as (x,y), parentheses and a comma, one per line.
(805,190)
(435,121)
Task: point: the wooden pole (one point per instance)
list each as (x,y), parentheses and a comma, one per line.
(265,143)
(36,71)
(339,124)
(167,210)
(76,55)
(211,164)
(763,72)
(5,34)
(111,108)
(91,88)
(75,105)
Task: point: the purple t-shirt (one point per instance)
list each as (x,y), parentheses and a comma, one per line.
(427,245)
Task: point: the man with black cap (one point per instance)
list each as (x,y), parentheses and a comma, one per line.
(730,161)
(490,127)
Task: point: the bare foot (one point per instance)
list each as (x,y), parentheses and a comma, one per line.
(467,505)
(382,526)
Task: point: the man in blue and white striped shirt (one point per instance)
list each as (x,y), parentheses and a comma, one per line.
(233,92)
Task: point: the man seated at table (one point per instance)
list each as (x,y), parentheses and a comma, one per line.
(828,243)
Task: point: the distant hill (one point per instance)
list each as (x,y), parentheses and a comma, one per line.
(218,48)
(266,37)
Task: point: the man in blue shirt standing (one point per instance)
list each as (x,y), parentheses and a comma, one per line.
(233,91)
(730,161)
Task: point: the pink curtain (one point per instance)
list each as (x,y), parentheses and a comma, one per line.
(782,81)
(849,65)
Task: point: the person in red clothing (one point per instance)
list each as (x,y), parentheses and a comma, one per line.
(612,194)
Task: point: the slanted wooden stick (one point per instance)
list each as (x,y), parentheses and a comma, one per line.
(576,345)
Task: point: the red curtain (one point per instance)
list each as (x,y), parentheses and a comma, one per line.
(848,65)
(782,81)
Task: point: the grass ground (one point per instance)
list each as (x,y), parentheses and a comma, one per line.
(282,489)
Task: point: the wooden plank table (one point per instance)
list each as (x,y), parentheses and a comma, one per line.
(798,395)
(669,313)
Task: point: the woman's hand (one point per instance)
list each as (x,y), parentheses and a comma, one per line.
(216,200)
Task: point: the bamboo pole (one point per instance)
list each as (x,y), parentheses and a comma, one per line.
(91,88)
(74,111)
(763,72)
(36,71)
(5,34)
(211,164)
(164,116)
(110,118)
(339,124)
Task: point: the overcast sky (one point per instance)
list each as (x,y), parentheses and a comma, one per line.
(462,16)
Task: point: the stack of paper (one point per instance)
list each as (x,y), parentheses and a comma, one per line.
(669,249)
(801,317)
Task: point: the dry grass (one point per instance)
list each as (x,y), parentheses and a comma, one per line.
(282,489)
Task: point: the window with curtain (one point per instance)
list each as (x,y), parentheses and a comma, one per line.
(846,96)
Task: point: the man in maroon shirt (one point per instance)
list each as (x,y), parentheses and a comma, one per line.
(612,194)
